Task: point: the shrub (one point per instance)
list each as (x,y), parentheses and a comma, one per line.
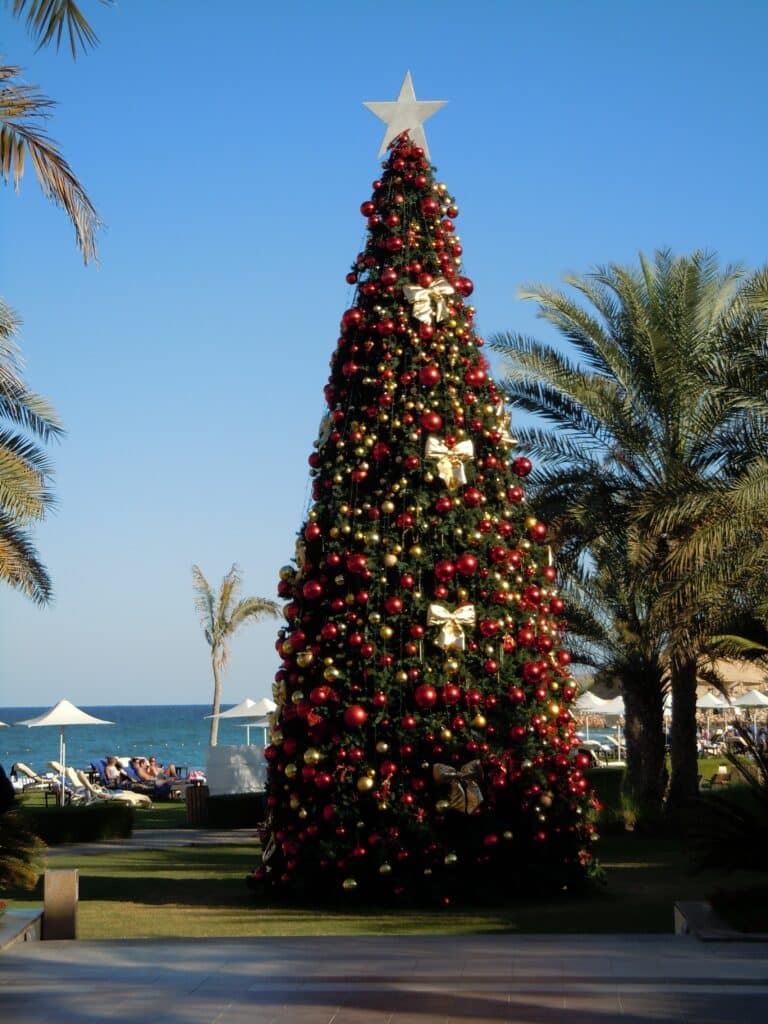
(607,784)
(92,823)
(239,810)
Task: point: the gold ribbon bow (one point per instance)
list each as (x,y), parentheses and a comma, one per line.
(451,624)
(325,429)
(450,461)
(423,299)
(504,419)
(465,794)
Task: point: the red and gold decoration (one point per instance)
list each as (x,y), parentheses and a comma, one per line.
(422,745)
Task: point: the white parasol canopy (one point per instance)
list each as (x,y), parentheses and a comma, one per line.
(711,702)
(587,704)
(752,699)
(63,714)
(255,710)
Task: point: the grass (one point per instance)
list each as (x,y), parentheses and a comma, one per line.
(199,891)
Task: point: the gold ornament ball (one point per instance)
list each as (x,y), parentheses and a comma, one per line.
(303,813)
(372,538)
(374,617)
(479,721)
(451,665)
(445,735)
(297,696)
(287,572)
(462,594)
(330,674)
(390,560)
(349,885)
(546,800)
(290,771)
(530,522)
(401,677)
(365,784)
(334,530)
(385,869)
(382,747)
(388,507)
(507,836)
(416,551)
(442,806)
(304,659)
(386,632)
(450,858)
(312,756)
(295,803)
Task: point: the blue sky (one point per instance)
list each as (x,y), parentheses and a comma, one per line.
(227,150)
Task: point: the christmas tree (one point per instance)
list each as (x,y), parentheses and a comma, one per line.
(422,746)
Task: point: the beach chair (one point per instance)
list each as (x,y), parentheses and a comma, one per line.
(158,790)
(28,778)
(99,793)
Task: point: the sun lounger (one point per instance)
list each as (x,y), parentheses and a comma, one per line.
(120,796)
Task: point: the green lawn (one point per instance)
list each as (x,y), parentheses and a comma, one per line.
(200,891)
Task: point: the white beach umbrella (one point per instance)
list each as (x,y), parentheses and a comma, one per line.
(587,704)
(255,710)
(752,699)
(63,714)
(708,703)
(614,708)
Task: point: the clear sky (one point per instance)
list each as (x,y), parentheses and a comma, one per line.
(227,150)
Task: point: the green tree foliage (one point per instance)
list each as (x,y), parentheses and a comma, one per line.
(27,422)
(642,419)
(23,108)
(221,615)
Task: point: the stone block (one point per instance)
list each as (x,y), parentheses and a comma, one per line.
(60,903)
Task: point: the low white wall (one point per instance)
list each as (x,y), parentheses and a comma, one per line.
(239,769)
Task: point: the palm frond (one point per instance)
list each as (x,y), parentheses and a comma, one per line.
(204,603)
(49,20)
(19,137)
(20,566)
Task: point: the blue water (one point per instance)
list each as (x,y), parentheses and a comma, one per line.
(176,733)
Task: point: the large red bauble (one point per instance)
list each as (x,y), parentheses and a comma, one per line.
(408,722)
(557,605)
(488,627)
(389,275)
(380,451)
(320,694)
(323,780)
(367,208)
(432,421)
(425,279)
(444,570)
(451,694)
(379,699)
(564,657)
(429,206)
(490,666)
(443,505)
(393,605)
(515,494)
(522,466)
(538,532)
(411,462)
(466,564)
(312,590)
(312,531)
(498,554)
(417,631)
(472,497)
(329,631)
(356,563)
(355,716)
(429,375)
(464,286)
(440,592)
(425,695)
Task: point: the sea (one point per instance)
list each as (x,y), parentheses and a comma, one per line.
(173,733)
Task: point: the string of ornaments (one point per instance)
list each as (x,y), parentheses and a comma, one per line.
(422,747)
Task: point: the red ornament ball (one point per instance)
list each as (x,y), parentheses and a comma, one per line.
(429,375)
(425,695)
(312,590)
(522,466)
(432,421)
(355,716)
(444,570)
(466,564)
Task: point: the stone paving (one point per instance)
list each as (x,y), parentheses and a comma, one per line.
(387,980)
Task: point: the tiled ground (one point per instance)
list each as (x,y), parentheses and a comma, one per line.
(388,980)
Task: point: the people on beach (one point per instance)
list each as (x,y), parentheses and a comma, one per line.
(113,772)
(150,771)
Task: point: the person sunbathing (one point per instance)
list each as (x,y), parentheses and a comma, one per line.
(163,773)
(114,774)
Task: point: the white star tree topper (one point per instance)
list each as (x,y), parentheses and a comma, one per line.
(406,114)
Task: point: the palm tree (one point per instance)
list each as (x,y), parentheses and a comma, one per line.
(221,616)
(611,626)
(22,107)
(25,470)
(640,419)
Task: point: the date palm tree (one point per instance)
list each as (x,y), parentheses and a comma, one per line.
(27,421)
(23,107)
(221,615)
(640,417)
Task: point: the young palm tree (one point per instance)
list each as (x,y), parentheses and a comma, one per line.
(22,108)
(611,626)
(26,421)
(640,419)
(221,616)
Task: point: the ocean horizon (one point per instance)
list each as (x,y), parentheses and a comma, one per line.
(176,733)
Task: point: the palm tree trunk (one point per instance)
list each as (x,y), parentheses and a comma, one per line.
(685,770)
(644,727)
(216,708)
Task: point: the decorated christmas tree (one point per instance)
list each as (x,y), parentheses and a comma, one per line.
(422,747)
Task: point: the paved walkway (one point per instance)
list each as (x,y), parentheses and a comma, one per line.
(387,980)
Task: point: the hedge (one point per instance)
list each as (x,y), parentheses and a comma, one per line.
(240,810)
(92,823)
